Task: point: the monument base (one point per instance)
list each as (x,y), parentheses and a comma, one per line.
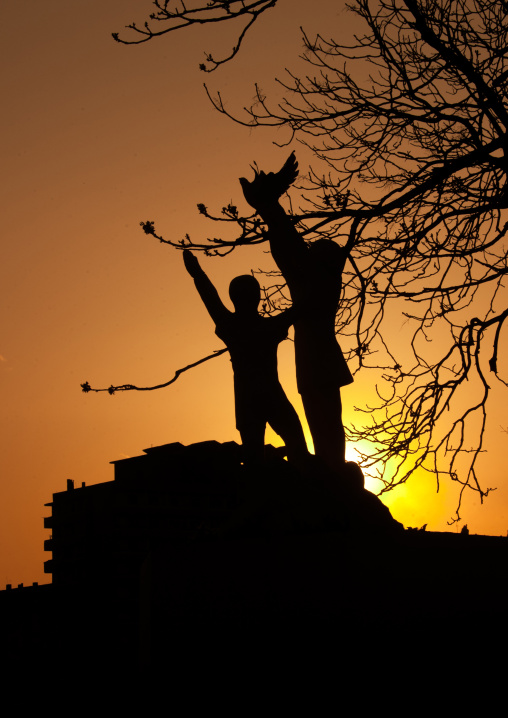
(192,565)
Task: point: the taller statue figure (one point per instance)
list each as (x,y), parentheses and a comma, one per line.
(313,273)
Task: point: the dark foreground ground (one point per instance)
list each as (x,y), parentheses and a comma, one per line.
(223,602)
(187,580)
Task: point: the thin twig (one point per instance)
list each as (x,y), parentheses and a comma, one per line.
(131,387)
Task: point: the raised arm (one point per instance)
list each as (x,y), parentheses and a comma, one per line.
(207,291)
(286,244)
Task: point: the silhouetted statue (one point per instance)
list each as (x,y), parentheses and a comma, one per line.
(252,341)
(314,277)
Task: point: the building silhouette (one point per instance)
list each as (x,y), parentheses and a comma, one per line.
(186,556)
(170,493)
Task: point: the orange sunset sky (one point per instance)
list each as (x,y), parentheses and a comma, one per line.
(96,137)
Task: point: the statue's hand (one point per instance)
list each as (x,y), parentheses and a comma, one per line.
(265,189)
(191,262)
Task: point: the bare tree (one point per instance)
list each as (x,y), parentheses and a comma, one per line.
(171,15)
(410,124)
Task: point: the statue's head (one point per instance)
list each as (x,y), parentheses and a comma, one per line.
(327,251)
(245,293)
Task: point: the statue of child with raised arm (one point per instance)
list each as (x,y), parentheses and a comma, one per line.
(252,341)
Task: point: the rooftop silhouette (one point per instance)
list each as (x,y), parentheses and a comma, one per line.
(184,558)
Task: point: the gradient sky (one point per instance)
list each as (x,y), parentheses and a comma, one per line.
(95,138)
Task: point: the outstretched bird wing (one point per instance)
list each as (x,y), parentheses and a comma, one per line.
(282,180)
(269,187)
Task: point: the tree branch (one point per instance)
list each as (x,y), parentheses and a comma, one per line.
(131,387)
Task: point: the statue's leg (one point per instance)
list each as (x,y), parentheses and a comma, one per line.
(323,409)
(284,420)
(253,441)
